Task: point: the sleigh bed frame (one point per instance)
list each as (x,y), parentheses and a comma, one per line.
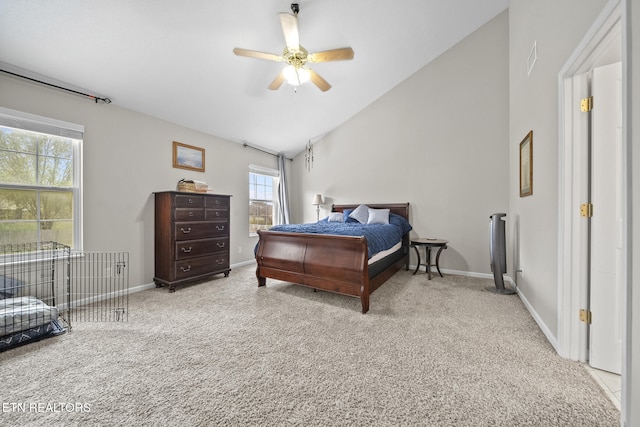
(330,263)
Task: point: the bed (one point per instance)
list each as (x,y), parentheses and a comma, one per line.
(26,319)
(335,263)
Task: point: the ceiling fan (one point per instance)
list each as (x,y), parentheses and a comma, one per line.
(297,56)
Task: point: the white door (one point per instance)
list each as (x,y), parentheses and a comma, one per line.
(605,332)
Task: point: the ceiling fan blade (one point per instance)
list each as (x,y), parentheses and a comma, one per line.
(341,54)
(319,81)
(277,82)
(289,25)
(255,54)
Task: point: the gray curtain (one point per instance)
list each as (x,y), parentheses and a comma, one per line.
(283,197)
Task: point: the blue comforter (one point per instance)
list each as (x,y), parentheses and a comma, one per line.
(380,237)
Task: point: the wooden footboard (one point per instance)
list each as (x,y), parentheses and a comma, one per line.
(332,263)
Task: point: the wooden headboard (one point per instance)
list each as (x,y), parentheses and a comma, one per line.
(401,209)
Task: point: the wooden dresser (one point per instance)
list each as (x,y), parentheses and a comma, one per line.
(191,237)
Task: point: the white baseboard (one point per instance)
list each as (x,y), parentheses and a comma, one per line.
(468,274)
(543,327)
(462,273)
(141,288)
(105,296)
(243,263)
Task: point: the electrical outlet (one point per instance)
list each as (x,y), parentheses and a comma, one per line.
(239,249)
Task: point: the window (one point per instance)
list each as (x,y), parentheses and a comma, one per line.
(263,184)
(39,180)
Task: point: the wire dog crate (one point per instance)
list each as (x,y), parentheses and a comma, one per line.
(45,286)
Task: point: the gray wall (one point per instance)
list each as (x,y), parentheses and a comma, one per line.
(439,140)
(128,156)
(557,27)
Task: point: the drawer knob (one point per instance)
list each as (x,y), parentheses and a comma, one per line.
(184,270)
(190,213)
(217,213)
(186,250)
(221,245)
(219,261)
(190,200)
(220,227)
(187,231)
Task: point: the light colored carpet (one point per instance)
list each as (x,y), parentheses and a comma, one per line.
(436,353)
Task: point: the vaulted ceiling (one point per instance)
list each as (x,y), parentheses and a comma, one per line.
(174,59)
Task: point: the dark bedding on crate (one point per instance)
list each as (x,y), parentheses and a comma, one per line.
(26,319)
(50,329)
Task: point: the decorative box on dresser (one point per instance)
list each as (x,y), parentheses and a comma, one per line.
(191,237)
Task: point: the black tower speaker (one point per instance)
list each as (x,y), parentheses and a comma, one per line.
(498,253)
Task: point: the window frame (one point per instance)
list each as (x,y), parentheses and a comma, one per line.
(31,122)
(275,175)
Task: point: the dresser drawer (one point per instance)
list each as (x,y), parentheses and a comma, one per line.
(216,213)
(188,201)
(220,228)
(195,230)
(186,214)
(217,202)
(201,266)
(195,248)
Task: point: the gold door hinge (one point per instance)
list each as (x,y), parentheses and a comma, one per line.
(585,316)
(586,104)
(586,210)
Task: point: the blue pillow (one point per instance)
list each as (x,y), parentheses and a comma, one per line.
(347,216)
(400,221)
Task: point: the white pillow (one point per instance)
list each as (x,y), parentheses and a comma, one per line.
(360,214)
(336,217)
(378,216)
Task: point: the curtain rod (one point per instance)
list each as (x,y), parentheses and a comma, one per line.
(94,97)
(246,145)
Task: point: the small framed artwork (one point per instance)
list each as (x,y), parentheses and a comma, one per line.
(188,157)
(526,165)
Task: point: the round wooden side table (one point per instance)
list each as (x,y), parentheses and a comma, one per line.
(428,245)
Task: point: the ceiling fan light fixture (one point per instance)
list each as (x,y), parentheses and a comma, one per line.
(296,56)
(296,76)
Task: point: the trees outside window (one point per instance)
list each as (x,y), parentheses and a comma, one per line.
(37,186)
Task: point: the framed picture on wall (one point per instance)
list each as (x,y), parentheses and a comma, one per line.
(526,165)
(188,157)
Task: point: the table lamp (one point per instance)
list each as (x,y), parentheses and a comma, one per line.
(317,201)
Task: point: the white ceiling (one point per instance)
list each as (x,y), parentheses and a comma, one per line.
(173,59)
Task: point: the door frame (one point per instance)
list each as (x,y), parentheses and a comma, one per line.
(572,340)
